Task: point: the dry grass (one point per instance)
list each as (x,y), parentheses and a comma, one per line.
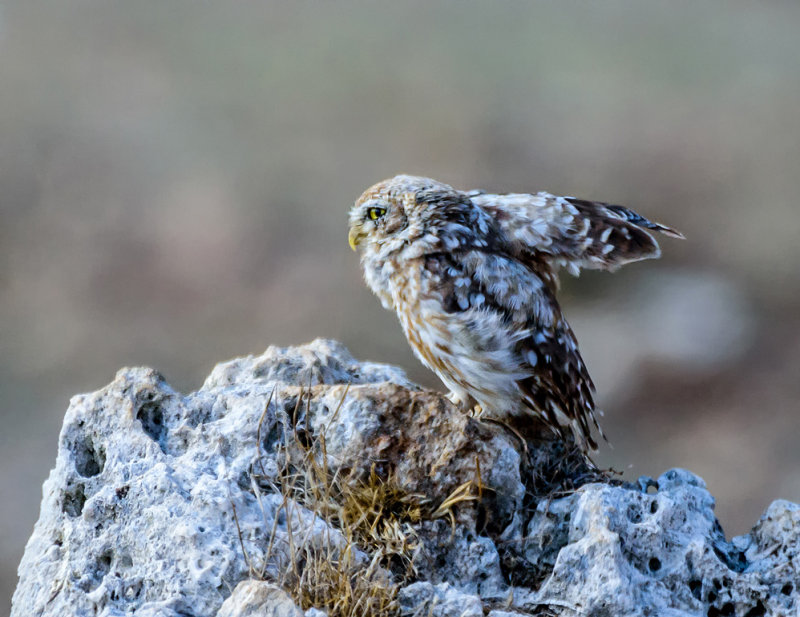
(340,584)
(356,577)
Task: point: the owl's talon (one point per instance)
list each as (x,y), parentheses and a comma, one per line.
(453,398)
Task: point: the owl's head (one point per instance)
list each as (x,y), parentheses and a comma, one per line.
(394,212)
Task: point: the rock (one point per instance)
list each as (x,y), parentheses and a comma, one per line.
(622,549)
(441,600)
(259,599)
(303,482)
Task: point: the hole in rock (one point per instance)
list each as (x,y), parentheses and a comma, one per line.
(727,610)
(737,562)
(654,564)
(759,610)
(634,513)
(653,506)
(652,489)
(271,434)
(72,503)
(152,418)
(696,587)
(104,563)
(101,567)
(787,589)
(133,590)
(741,564)
(89,461)
(304,437)
(243,481)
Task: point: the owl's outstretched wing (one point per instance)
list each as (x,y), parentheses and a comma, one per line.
(572,233)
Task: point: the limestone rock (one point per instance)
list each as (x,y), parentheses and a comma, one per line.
(620,548)
(304,482)
(441,600)
(259,599)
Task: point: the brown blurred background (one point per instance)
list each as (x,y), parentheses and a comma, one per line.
(175,177)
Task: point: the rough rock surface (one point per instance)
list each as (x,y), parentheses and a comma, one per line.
(229,502)
(253,598)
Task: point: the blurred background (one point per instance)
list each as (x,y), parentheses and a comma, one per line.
(175,178)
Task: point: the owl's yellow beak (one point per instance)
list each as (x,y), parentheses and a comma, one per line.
(354,237)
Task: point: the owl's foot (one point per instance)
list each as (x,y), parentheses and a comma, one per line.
(467,405)
(476,411)
(453,398)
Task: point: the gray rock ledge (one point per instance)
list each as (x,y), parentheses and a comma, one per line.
(305,483)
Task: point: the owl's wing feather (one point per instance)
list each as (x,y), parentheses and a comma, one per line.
(573,233)
(554,382)
(560,387)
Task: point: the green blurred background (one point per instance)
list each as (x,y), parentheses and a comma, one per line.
(175,177)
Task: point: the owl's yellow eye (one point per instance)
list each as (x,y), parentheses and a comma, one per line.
(376,213)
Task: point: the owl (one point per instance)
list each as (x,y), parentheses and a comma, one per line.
(472,277)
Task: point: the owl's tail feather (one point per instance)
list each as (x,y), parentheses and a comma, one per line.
(575,416)
(579,428)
